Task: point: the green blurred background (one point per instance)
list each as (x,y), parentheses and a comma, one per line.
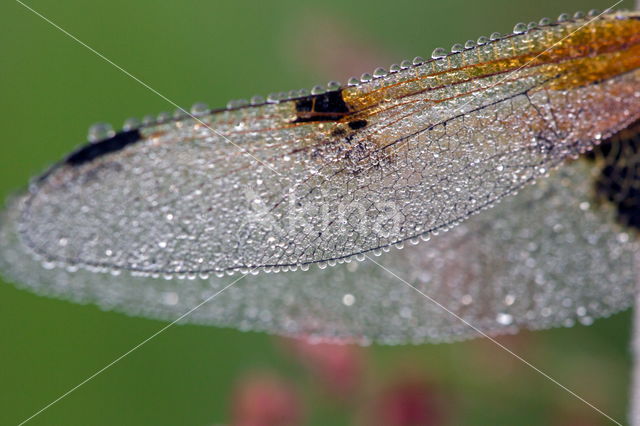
(52,88)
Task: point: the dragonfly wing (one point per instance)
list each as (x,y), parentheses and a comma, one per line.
(550,256)
(185,200)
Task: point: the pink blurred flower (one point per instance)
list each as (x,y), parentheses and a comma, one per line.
(329,46)
(339,367)
(262,399)
(407,403)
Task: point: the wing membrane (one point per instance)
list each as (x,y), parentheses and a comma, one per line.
(543,258)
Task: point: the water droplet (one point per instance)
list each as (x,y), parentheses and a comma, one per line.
(405,64)
(366,77)
(353,81)
(273,98)
(379,72)
(457,48)
(163,117)
(333,85)
(179,113)
(438,53)
(394,68)
(483,40)
(170,298)
(199,108)
(579,15)
(348,299)
(564,17)
(99,132)
(148,120)
(585,320)
(257,100)
(317,90)
(504,319)
(469,44)
(495,36)
(593,13)
(237,103)
(532,25)
(520,28)
(544,22)
(131,123)
(418,60)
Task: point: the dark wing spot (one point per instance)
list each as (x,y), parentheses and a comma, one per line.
(95,150)
(357,124)
(328,106)
(619,179)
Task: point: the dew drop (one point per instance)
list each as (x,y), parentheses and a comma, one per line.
(257,100)
(544,22)
(348,299)
(148,120)
(418,60)
(469,44)
(366,77)
(509,299)
(163,117)
(99,132)
(170,298)
(456,48)
(199,108)
(520,28)
(333,85)
(179,113)
(131,123)
(495,36)
(379,72)
(504,319)
(237,103)
(438,53)
(273,98)
(405,64)
(317,90)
